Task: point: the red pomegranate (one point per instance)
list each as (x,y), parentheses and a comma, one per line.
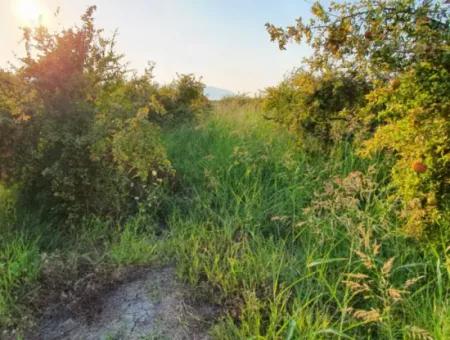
(419,167)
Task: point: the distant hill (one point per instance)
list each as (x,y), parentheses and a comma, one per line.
(216,93)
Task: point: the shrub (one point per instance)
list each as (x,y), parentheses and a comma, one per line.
(79,143)
(401,48)
(321,107)
(17,100)
(412,115)
(179,102)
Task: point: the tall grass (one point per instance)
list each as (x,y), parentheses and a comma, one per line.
(299,245)
(292,244)
(19,268)
(38,259)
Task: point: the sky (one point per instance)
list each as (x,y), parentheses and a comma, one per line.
(222,41)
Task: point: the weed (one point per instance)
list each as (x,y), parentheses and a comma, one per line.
(133,247)
(19,270)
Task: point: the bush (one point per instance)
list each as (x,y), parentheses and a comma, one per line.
(179,102)
(321,107)
(411,113)
(401,50)
(81,141)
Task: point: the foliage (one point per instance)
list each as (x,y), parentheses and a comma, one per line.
(64,71)
(319,107)
(85,137)
(401,50)
(413,115)
(376,38)
(19,269)
(16,102)
(296,245)
(131,150)
(180,101)
(133,247)
(292,245)
(7,207)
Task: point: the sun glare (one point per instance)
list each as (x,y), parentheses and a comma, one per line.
(29,12)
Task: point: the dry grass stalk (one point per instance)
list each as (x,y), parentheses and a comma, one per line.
(367,261)
(395,294)
(356,287)
(413,281)
(387,267)
(372,315)
(358,276)
(419,333)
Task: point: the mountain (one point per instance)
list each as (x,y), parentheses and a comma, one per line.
(216,93)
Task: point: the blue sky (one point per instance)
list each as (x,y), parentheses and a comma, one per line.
(225,42)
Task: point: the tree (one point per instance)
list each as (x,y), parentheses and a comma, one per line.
(401,48)
(78,142)
(319,106)
(379,38)
(413,119)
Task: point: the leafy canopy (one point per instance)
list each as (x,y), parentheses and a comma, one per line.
(399,50)
(375,37)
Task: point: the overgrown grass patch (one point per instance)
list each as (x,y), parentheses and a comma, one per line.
(293,245)
(19,270)
(133,247)
(299,245)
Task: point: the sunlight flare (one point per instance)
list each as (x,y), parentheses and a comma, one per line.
(29,12)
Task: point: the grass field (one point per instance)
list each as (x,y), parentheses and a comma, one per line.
(292,245)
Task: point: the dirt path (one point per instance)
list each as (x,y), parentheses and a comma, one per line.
(153,306)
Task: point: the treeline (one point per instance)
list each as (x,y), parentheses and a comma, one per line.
(79,133)
(379,78)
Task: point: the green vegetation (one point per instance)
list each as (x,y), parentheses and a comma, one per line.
(380,69)
(298,245)
(85,138)
(289,211)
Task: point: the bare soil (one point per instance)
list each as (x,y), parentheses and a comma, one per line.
(151,305)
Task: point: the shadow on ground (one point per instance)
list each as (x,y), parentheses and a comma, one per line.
(154,305)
